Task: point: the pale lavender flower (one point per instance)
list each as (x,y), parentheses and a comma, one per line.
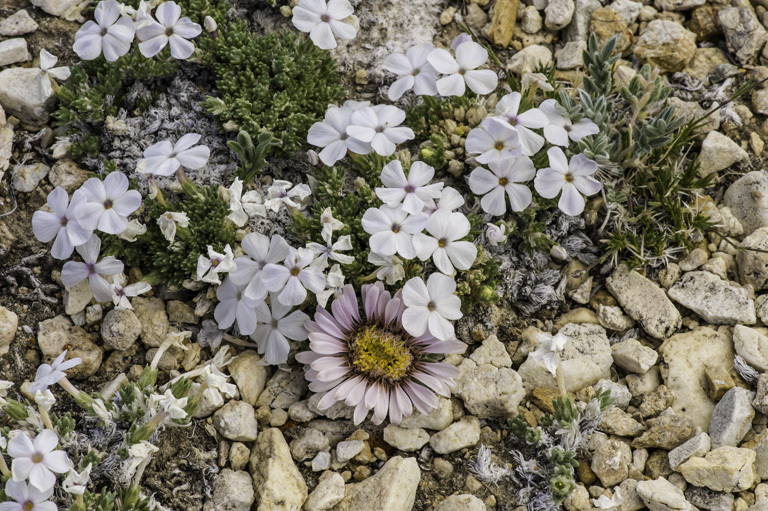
(331,251)
(323,21)
(294,277)
(284,192)
(244,206)
(493,140)
(27,498)
(50,374)
(109,203)
(168,222)
(331,133)
(92,269)
(496,234)
(276,328)
(48,73)
(508,108)
(444,245)
(504,177)
(413,191)
(260,251)
(370,363)
(413,71)
(163,158)
(390,268)
(462,71)
(449,200)
(37,459)
(380,126)
(109,34)
(121,292)
(169,29)
(560,127)
(431,307)
(234,306)
(62,223)
(548,352)
(572,179)
(209,268)
(392,230)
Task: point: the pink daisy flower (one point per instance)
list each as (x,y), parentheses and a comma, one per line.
(370,362)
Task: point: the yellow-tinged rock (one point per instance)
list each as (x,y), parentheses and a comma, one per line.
(503,22)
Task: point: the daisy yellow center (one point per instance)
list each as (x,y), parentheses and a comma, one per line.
(380,354)
(499,146)
(37,458)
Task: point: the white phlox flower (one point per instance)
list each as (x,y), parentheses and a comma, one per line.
(92,269)
(260,251)
(431,307)
(234,306)
(38,459)
(109,203)
(331,133)
(502,182)
(276,328)
(110,33)
(493,140)
(508,108)
(244,206)
(548,352)
(169,404)
(45,399)
(27,498)
(48,73)
(163,158)
(450,200)
(334,285)
(496,234)
(560,128)
(50,374)
(284,192)
(121,292)
(443,243)
(293,278)
(61,223)
(169,29)
(572,179)
(139,453)
(76,483)
(132,230)
(414,191)
(380,127)
(392,230)
(329,223)
(323,21)
(603,502)
(537,81)
(413,71)
(331,251)
(390,268)
(218,380)
(168,222)
(462,71)
(209,268)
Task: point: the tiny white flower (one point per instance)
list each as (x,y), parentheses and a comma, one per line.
(234,306)
(62,223)
(380,126)
(331,133)
(50,374)
(45,399)
(4,386)
(335,285)
(294,277)
(329,223)
(449,200)
(548,352)
(139,453)
(27,498)
(108,33)
(603,502)
(168,222)
(218,380)
(508,108)
(446,229)
(169,29)
(92,269)
(572,179)
(431,307)
(260,251)
(390,268)
(163,158)
(76,483)
(109,203)
(493,140)
(208,268)
(100,409)
(496,234)
(504,178)
(284,192)
(37,459)
(392,230)
(413,71)
(323,21)
(560,128)
(243,207)
(414,191)
(168,403)
(121,292)
(536,80)
(133,229)
(48,73)
(462,71)
(276,328)
(331,252)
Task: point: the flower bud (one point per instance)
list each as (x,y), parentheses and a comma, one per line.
(559,253)
(211,27)
(313,158)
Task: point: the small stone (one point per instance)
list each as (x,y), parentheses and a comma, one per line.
(661,495)
(348,449)
(27,177)
(747,198)
(694,260)
(457,436)
(19,23)
(13,51)
(753,264)
(285,388)
(443,468)
(531,21)
(322,461)
(744,34)
(666,44)
(277,481)
(475,18)
(719,381)
(180,312)
(67,174)
(704,498)
(392,488)
(665,432)
(627,9)
(154,320)
(493,352)
(529,58)
(678,5)
(447,15)
(308,444)
(120,329)
(718,152)
(570,56)
(239,454)
(578,30)
(503,21)
(407,440)
(233,491)
(249,375)
(756,143)
(607,23)
(760,445)
(715,300)
(63,8)
(752,346)
(655,402)
(9,321)
(439,419)
(464,502)
(618,422)
(610,462)
(328,493)
(488,391)
(703,65)
(15,84)
(704,22)
(558,14)
(613,318)
(236,420)
(697,446)
(727,468)
(58,334)
(632,356)
(619,392)
(77,297)
(645,302)
(732,418)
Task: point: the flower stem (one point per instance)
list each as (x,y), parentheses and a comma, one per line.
(560,378)
(237,340)
(4,468)
(65,384)
(46,418)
